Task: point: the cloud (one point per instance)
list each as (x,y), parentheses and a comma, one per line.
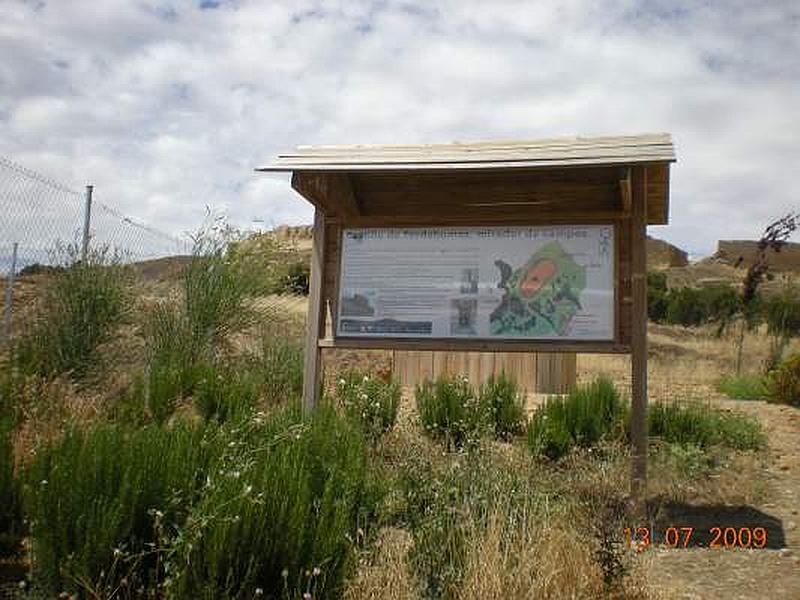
(167,106)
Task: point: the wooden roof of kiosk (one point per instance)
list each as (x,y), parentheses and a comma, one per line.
(500,181)
(620,180)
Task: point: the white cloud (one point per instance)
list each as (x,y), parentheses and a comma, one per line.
(168,108)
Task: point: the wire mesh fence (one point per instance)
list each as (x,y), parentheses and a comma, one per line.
(40,216)
(45,223)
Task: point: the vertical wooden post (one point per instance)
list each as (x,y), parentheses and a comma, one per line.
(638,223)
(315,322)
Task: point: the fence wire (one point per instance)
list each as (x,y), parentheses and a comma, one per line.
(41,215)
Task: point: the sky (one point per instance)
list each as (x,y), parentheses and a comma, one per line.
(167,107)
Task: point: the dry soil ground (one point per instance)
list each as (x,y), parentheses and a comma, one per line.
(686,364)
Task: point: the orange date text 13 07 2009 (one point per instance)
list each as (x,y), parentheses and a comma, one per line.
(642,538)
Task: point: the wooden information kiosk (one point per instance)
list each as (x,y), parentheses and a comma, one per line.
(507,246)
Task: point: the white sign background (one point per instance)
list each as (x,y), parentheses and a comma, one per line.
(446,282)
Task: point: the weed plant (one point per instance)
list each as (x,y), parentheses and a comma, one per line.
(784,382)
(447,508)
(588,414)
(743,387)
(80,307)
(504,405)
(451,410)
(368,401)
(695,424)
(281,512)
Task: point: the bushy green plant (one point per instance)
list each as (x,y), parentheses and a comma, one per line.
(281,514)
(368,401)
(588,414)
(703,426)
(80,307)
(691,306)
(743,387)
(782,316)
(656,296)
(784,382)
(504,404)
(451,410)
(224,392)
(96,498)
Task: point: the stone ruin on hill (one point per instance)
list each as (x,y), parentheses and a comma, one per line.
(731,251)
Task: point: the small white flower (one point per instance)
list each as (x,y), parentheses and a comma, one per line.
(307,596)
(285,573)
(366,378)
(342,382)
(316,572)
(259,592)
(44,481)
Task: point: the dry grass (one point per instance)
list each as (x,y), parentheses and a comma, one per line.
(385,575)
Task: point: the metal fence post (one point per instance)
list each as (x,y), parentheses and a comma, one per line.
(9,295)
(87,220)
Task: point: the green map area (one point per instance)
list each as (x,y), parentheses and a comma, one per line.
(540,298)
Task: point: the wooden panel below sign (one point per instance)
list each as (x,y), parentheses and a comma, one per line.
(535,373)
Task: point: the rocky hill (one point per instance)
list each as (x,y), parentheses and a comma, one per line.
(662,255)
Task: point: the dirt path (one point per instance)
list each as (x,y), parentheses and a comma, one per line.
(702,573)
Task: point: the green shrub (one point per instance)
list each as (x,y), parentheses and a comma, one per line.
(689,306)
(656,296)
(450,410)
(368,401)
(80,307)
(96,498)
(215,288)
(224,392)
(10,502)
(784,382)
(504,405)
(694,424)
(743,387)
(588,414)
(282,513)
(280,362)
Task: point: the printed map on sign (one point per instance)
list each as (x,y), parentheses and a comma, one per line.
(540,298)
(517,282)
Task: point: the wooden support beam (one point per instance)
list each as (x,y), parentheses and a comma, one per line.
(315,323)
(473,345)
(331,192)
(639,337)
(310,186)
(341,194)
(625,189)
